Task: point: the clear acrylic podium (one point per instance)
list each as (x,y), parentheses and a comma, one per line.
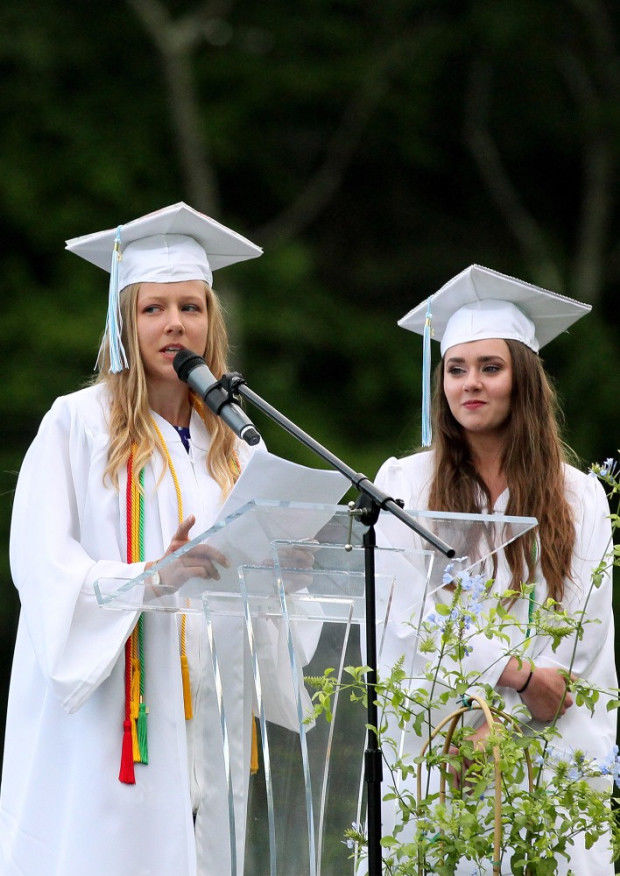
(295,588)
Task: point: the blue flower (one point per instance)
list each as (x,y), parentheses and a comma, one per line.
(474,589)
(437,622)
(610,765)
(447,576)
(608,469)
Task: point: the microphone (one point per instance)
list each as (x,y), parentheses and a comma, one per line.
(193,370)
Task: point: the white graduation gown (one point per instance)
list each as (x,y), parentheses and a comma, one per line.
(63,810)
(409,479)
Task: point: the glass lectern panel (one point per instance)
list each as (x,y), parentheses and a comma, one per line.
(294,582)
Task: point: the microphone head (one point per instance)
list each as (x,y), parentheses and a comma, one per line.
(184,362)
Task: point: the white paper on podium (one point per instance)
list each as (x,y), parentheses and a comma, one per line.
(267,476)
(270,478)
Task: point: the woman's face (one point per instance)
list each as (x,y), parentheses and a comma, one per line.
(478,384)
(170,317)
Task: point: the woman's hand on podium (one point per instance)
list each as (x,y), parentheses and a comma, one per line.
(296,561)
(200,562)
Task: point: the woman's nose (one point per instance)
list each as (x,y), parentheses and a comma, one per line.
(174,322)
(472,381)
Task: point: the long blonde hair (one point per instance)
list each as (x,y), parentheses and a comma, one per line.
(532,463)
(130,420)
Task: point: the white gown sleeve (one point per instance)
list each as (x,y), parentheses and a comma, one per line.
(76,642)
(594,654)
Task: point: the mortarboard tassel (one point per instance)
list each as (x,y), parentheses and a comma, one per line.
(427,431)
(114,320)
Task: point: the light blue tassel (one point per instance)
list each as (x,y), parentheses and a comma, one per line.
(427,431)
(114,321)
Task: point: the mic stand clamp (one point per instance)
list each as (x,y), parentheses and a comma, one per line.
(228,383)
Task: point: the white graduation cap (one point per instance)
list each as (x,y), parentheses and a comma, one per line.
(480,303)
(170,245)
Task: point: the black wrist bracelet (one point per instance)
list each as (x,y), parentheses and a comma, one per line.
(529,678)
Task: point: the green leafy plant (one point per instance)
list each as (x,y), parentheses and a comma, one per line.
(512,796)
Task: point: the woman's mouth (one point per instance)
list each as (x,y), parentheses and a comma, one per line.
(473,405)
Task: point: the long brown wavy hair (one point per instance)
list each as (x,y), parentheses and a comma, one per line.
(532,463)
(130,419)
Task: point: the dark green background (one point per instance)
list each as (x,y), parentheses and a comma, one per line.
(373,149)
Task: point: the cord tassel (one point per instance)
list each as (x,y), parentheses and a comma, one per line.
(254,750)
(187,691)
(135,700)
(126,773)
(141,725)
(142,733)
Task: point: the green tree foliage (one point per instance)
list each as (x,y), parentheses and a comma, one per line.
(373,149)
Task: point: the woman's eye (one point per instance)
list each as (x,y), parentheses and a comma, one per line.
(191,307)
(456,371)
(491,369)
(151,308)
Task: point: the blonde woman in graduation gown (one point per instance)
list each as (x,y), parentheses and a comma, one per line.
(496,449)
(63,810)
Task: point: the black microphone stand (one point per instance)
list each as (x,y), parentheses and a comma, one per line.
(370,502)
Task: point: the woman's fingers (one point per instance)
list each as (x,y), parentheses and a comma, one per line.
(197,572)
(200,562)
(206,559)
(182,533)
(204,553)
(181,536)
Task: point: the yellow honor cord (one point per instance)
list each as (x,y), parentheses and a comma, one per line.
(185,677)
